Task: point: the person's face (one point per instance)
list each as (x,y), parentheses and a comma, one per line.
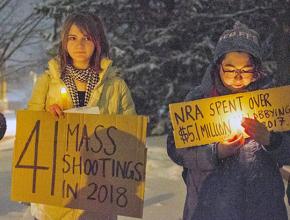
(237,71)
(80,47)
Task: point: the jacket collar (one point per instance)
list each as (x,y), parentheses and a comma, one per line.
(107,70)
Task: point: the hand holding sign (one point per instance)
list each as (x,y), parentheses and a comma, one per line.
(56,111)
(256,130)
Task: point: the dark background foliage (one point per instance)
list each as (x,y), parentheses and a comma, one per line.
(164,46)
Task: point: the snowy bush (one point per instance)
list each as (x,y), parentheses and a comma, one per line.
(164,46)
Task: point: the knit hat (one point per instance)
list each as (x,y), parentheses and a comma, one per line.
(240,38)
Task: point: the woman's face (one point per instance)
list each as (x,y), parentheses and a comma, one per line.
(237,71)
(80,47)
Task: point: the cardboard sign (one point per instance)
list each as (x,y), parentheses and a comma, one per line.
(211,120)
(90,162)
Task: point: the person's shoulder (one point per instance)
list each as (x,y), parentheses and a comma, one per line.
(116,82)
(267,81)
(195,93)
(115,79)
(114,75)
(120,83)
(43,77)
(204,89)
(53,69)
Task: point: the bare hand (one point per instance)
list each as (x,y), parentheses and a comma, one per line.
(56,111)
(256,130)
(230,146)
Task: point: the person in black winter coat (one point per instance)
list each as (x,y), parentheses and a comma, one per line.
(238,178)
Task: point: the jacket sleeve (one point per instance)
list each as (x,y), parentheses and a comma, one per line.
(39,93)
(203,158)
(126,103)
(279,149)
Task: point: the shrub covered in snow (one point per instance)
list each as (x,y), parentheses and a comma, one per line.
(164,46)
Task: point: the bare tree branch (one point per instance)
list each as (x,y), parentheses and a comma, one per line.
(5,56)
(230,15)
(4,4)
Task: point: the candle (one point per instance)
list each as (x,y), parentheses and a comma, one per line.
(64,98)
(235,121)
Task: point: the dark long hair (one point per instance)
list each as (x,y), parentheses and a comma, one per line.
(91,25)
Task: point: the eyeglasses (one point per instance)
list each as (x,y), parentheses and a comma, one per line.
(238,72)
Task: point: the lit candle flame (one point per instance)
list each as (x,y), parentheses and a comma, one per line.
(63,91)
(235,120)
(64,98)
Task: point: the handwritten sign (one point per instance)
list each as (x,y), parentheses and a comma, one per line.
(84,161)
(211,120)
